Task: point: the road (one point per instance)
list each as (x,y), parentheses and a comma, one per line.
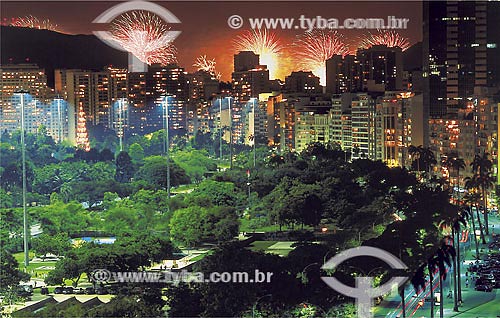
(476,304)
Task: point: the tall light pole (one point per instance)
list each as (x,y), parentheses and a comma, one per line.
(254,139)
(220,128)
(230,134)
(21,94)
(167,143)
(59,100)
(121,110)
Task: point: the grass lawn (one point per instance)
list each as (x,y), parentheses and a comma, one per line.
(184,188)
(261,245)
(35,269)
(245,226)
(272,247)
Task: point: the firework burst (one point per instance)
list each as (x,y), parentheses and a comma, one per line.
(263,43)
(144,35)
(204,64)
(34,23)
(384,37)
(315,47)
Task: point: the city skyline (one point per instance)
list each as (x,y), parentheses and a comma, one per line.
(205,30)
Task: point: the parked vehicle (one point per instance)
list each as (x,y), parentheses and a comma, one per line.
(58,290)
(68,290)
(485,288)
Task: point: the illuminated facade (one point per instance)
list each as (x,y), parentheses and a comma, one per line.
(88,89)
(302,82)
(202,87)
(28,77)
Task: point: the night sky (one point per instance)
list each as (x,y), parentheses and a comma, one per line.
(204,24)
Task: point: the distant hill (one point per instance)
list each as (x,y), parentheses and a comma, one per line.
(413,57)
(52,50)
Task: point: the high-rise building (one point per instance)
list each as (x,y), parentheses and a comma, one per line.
(312,123)
(382,68)
(343,74)
(88,89)
(280,122)
(363,127)
(202,87)
(245,60)
(146,93)
(15,77)
(463,45)
(461,63)
(50,114)
(302,82)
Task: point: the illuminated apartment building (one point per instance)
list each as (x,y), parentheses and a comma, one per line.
(343,74)
(91,90)
(302,82)
(312,123)
(15,77)
(202,87)
(280,122)
(146,94)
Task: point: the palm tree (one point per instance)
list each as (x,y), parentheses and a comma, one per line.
(442,258)
(414,153)
(403,301)
(438,261)
(428,158)
(453,163)
(469,198)
(458,164)
(471,185)
(447,162)
(485,183)
(419,283)
(460,221)
(432,266)
(481,167)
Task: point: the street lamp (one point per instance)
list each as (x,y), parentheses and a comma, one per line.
(255,304)
(220,128)
(303,273)
(230,133)
(21,94)
(121,109)
(254,139)
(167,142)
(59,100)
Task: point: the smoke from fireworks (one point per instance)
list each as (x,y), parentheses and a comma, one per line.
(143,34)
(204,64)
(34,23)
(315,47)
(384,37)
(263,43)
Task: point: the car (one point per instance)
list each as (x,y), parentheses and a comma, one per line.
(89,291)
(101,290)
(24,291)
(58,290)
(485,288)
(79,291)
(68,290)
